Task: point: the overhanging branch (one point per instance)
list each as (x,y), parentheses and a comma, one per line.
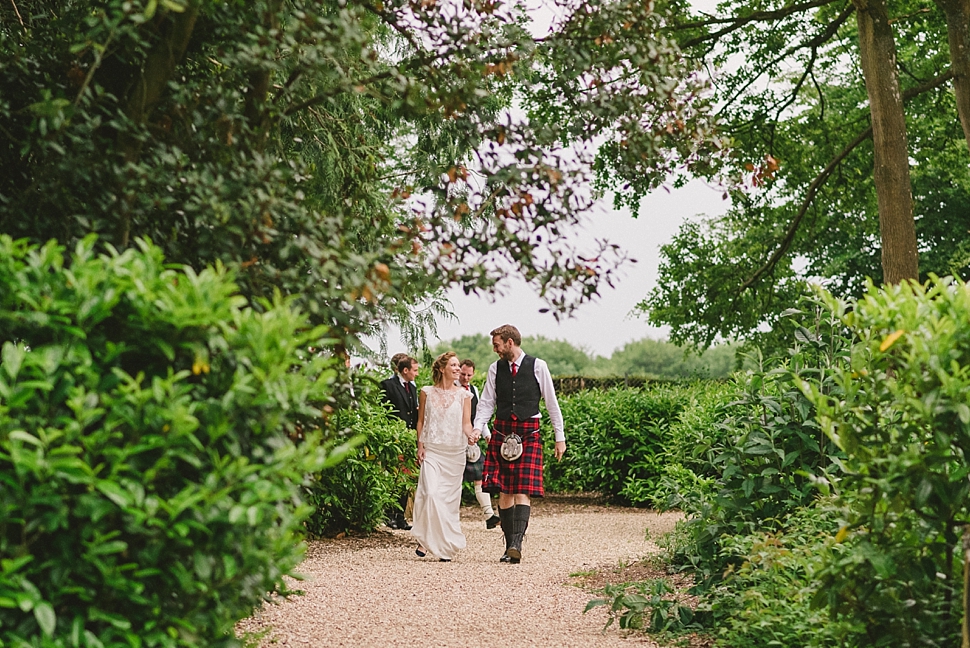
(813,43)
(733,24)
(824,175)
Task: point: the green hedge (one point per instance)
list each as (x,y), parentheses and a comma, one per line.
(149,492)
(901,414)
(356,493)
(615,440)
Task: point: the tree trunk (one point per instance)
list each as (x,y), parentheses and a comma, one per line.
(890,151)
(257,93)
(147,89)
(957,14)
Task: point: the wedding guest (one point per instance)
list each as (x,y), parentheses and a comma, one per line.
(400,391)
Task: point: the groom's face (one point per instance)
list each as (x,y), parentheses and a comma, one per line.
(503,348)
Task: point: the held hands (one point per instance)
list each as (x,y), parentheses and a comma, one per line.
(474,437)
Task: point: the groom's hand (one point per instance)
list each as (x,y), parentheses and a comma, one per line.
(560,449)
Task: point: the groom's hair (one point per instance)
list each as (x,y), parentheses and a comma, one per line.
(508,332)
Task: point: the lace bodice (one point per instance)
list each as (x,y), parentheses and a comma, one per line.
(443,416)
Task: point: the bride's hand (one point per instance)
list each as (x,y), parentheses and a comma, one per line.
(420,453)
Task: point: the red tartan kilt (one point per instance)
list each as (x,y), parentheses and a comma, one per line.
(522,476)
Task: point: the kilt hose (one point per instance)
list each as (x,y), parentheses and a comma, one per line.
(522,476)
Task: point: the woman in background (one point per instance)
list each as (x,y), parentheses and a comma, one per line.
(444,431)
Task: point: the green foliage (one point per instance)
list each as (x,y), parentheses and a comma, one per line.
(615,441)
(357,493)
(792,98)
(477,348)
(767,456)
(696,438)
(902,417)
(662,359)
(768,599)
(655,358)
(563,358)
(149,489)
(647,605)
(324,149)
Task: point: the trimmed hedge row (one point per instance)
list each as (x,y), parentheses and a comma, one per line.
(357,493)
(616,439)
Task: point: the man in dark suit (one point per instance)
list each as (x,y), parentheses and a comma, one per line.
(401,392)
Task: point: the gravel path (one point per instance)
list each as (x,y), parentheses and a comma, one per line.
(376,592)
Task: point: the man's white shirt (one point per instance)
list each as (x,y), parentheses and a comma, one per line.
(486,403)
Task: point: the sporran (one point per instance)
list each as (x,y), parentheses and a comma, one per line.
(511,447)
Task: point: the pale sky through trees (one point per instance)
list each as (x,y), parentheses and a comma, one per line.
(606,324)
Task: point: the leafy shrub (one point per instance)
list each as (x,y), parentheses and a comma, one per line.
(647,605)
(615,440)
(768,600)
(695,438)
(903,419)
(149,493)
(357,492)
(767,456)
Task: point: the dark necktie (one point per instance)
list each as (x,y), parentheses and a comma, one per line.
(515,368)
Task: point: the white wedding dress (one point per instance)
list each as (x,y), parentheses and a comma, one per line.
(437,500)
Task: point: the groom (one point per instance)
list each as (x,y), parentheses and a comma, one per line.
(515,384)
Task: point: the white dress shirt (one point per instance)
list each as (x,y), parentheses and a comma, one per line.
(486,404)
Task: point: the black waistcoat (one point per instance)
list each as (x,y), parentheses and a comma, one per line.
(517,395)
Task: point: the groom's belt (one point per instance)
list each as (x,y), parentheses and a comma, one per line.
(523,427)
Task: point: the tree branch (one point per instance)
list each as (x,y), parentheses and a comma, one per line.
(254,109)
(333,92)
(160,64)
(19,17)
(792,96)
(824,175)
(815,42)
(733,24)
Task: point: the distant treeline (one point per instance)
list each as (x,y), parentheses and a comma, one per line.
(645,358)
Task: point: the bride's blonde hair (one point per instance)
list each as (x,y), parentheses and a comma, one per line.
(438,367)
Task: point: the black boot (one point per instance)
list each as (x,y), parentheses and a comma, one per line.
(402,522)
(506,516)
(520,522)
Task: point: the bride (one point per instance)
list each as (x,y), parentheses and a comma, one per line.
(444,431)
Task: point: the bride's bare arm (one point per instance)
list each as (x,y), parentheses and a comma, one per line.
(422,398)
(466,421)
